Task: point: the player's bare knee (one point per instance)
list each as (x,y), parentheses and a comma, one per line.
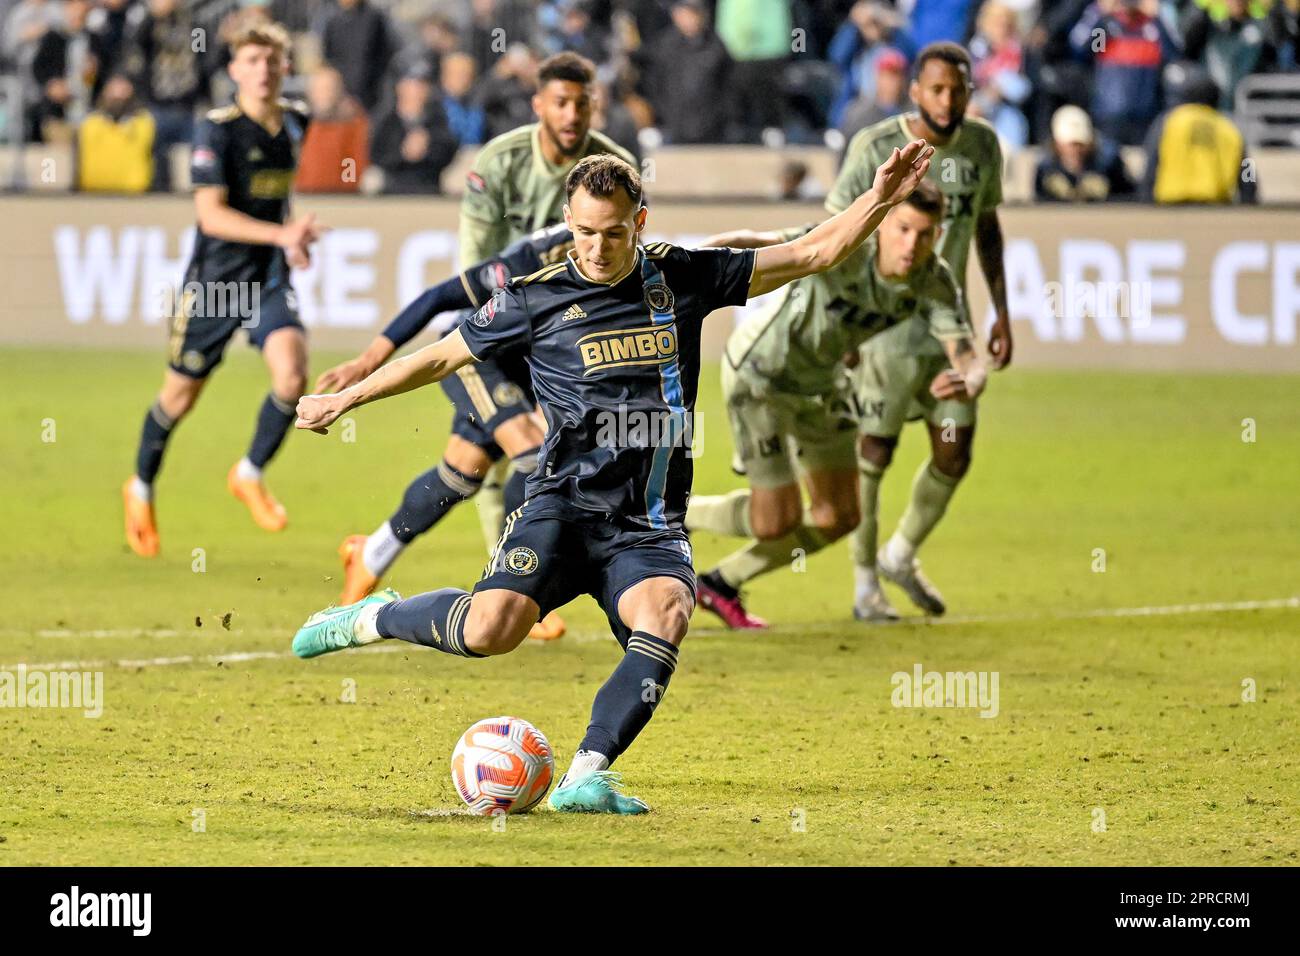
(877,451)
(952,459)
(774,515)
(495,629)
(290,386)
(665,612)
(835,519)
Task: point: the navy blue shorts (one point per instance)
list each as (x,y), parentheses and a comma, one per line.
(552,551)
(484,398)
(202,328)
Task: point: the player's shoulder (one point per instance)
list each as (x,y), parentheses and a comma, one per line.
(885,134)
(551,275)
(223,115)
(598,142)
(296,108)
(939,281)
(983,136)
(507,147)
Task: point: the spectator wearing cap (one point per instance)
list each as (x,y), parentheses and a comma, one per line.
(1129,46)
(871,31)
(1077,169)
(359,41)
(1230,47)
(336,149)
(998,74)
(115,142)
(757,36)
(888,99)
(464,116)
(1195,154)
(685,71)
(413,142)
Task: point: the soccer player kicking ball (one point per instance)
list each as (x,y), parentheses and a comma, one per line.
(787,402)
(474,444)
(242,167)
(891,382)
(515,187)
(613,330)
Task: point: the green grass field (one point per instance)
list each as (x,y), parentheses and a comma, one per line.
(777,748)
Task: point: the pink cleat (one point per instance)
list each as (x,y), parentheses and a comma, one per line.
(717,596)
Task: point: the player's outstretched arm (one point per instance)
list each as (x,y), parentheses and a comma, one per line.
(742,239)
(430,364)
(968,375)
(831,242)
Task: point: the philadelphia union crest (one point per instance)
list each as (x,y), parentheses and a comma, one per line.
(521,561)
(659,297)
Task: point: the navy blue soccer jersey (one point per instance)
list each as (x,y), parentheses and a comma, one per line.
(479,281)
(521,258)
(615,367)
(256,169)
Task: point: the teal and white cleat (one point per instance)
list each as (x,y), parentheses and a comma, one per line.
(597,792)
(334,628)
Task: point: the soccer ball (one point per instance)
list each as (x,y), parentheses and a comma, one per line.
(502,765)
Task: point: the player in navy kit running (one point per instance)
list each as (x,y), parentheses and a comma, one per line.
(242,166)
(613,341)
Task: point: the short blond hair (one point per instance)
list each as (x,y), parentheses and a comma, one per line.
(260,34)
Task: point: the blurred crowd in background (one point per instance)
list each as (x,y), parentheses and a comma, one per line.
(403,85)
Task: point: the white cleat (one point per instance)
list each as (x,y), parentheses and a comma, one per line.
(909,577)
(872,607)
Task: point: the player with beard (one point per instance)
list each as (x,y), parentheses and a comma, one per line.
(892,380)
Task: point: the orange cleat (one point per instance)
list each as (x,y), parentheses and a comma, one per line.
(141,529)
(266,511)
(549,628)
(357,581)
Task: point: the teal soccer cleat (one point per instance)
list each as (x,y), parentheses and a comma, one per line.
(598,792)
(333,629)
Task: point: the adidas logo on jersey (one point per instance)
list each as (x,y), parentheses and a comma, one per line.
(573,312)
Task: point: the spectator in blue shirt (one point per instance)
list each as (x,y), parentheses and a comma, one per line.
(1129,45)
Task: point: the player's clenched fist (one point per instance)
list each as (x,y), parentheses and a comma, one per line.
(316,412)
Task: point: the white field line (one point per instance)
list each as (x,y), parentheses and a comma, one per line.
(1213,607)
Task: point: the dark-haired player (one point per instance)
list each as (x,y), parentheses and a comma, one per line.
(515,187)
(892,380)
(790,416)
(242,167)
(613,331)
(485,402)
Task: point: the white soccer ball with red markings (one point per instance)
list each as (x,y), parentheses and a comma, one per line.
(502,765)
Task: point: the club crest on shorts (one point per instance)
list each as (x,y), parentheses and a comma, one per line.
(521,561)
(659,297)
(507,393)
